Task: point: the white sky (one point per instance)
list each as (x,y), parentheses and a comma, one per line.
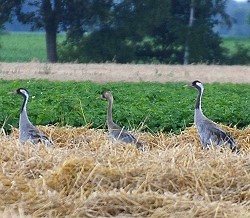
(240,0)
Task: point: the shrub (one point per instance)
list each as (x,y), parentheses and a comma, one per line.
(241,56)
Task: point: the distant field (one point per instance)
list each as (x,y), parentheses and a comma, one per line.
(23,46)
(231,43)
(28,46)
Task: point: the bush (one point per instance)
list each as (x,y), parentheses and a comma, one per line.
(241,56)
(97,47)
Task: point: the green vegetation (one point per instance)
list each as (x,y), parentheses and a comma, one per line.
(28,46)
(24,46)
(161,107)
(231,43)
(238,51)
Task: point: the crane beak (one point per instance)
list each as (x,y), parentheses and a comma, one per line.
(100,97)
(12,92)
(188,86)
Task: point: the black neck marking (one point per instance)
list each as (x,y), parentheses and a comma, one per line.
(198,101)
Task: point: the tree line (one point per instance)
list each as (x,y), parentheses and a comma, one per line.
(125,31)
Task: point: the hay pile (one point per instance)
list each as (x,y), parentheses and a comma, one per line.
(88,175)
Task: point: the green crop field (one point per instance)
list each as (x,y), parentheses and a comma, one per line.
(28,46)
(154,106)
(24,46)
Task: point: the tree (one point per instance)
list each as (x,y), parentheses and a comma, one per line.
(129,23)
(84,16)
(46,15)
(162,31)
(190,25)
(80,19)
(188,31)
(7,8)
(205,44)
(74,17)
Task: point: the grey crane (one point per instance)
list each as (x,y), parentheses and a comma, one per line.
(115,131)
(209,132)
(27,131)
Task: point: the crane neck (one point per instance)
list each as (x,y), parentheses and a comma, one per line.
(109,113)
(25,100)
(23,113)
(198,101)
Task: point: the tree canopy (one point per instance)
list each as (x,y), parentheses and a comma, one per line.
(154,31)
(7,8)
(129,30)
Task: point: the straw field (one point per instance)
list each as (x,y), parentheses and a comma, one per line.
(86,174)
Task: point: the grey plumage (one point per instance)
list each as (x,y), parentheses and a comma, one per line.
(27,131)
(115,131)
(209,132)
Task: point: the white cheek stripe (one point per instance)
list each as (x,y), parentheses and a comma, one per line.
(24,92)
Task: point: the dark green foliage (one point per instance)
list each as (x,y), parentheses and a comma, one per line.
(126,31)
(97,47)
(7,7)
(203,50)
(237,50)
(149,31)
(204,42)
(74,17)
(241,56)
(45,15)
(25,47)
(79,17)
(161,107)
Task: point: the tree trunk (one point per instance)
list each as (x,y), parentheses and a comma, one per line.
(51,45)
(49,8)
(190,24)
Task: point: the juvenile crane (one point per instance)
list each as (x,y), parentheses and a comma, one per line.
(209,132)
(116,131)
(27,131)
